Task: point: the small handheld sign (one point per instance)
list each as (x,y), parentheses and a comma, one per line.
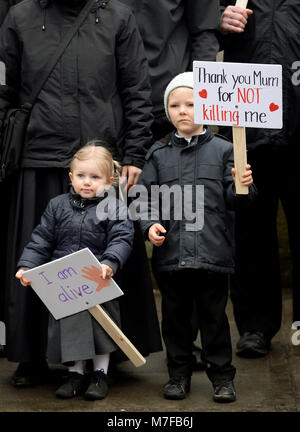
(74,283)
(238,95)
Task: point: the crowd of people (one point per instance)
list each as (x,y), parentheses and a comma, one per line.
(125,82)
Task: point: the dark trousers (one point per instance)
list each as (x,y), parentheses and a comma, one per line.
(180,290)
(256,288)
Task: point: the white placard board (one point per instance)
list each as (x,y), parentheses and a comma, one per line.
(72,284)
(238,94)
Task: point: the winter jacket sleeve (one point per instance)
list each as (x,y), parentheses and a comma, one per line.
(203,19)
(120,235)
(147,205)
(39,250)
(10,55)
(135,92)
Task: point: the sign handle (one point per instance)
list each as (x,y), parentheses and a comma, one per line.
(117,335)
(241,3)
(239,142)
(240,158)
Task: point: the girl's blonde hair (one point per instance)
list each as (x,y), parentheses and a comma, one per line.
(95,150)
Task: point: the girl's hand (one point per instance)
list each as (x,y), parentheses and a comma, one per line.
(107,272)
(154,234)
(246,178)
(23,280)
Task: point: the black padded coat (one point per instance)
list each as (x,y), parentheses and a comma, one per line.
(99,89)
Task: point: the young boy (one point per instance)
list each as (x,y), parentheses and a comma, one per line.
(191,260)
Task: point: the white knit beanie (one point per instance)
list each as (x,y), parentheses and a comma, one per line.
(184,79)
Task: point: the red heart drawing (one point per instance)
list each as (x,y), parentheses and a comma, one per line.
(273,107)
(203,94)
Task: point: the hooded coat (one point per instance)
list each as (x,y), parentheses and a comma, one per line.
(98,89)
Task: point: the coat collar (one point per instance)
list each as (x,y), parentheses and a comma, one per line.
(79,202)
(196,139)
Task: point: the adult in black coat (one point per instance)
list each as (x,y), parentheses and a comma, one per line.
(174,33)
(99,89)
(4,7)
(266,32)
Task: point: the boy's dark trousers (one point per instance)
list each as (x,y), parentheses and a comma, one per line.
(209,291)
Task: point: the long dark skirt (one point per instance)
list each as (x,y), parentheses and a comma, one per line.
(26,317)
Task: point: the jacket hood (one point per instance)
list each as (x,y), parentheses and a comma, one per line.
(44,4)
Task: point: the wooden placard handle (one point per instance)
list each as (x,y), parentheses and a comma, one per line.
(239,142)
(117,335)
(240,158)
(241,3)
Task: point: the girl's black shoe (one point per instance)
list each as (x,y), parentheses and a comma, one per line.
(73,385)
(98,387)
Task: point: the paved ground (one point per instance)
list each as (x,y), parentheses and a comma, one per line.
(270,384)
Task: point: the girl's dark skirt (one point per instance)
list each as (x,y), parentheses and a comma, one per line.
(26,317)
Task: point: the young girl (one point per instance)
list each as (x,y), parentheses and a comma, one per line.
(71,223)
(192,259)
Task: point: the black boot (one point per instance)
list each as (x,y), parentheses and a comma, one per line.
(253,345)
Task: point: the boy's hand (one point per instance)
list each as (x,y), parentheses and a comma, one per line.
(154,234)
(234,19)
(23,280)
(246,178)
(107,272)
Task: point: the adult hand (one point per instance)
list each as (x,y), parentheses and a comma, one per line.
(246,178)
(132,174)
(234,19)
(23,280)
(154,234)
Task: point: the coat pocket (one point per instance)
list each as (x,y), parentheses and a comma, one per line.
(169,174)
(212,172)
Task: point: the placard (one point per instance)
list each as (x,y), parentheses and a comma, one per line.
(238,94)
(72,284)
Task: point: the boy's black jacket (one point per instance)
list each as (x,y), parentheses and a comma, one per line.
(206,161)
(69,224)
